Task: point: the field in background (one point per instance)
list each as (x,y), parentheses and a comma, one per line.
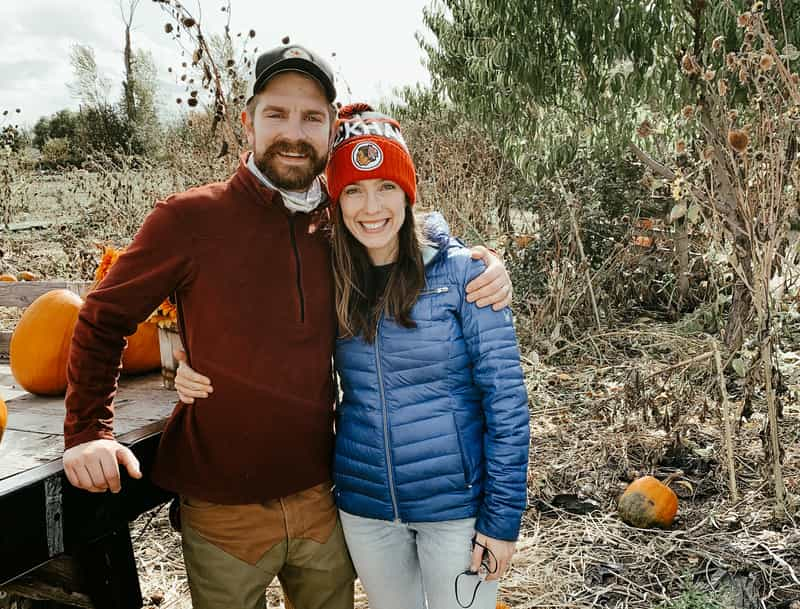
(607,404)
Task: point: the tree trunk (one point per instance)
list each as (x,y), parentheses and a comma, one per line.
(682,257)
(741,311)
(130,102)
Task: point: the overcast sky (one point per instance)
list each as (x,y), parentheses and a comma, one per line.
(373,41)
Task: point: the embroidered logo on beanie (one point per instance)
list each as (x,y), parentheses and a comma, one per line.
(367,155)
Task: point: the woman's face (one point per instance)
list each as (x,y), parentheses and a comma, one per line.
(373,211)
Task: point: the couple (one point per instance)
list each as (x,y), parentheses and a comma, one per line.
(432,432)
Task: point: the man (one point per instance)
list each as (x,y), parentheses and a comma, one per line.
(252,278)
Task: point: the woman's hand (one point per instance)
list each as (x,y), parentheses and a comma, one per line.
(188,383)
(493,286)
(500,558)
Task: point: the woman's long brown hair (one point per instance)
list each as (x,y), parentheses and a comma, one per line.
(352,267)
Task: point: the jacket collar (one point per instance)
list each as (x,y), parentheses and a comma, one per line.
(437,236)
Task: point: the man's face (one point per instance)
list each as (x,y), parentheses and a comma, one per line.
(290,130)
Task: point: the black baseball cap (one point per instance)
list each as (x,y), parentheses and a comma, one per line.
(291,58)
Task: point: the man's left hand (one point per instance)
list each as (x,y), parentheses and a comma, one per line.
(493,286)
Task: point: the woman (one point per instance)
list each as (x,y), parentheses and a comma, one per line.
(432,431)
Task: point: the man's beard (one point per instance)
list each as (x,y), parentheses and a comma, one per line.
(290,178)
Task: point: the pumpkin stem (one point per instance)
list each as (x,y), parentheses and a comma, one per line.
(672,477)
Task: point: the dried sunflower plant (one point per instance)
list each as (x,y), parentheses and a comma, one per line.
(215,64)
(15,181)
(743,178)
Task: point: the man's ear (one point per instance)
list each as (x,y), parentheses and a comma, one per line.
(247,123)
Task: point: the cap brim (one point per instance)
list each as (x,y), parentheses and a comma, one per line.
(297,64)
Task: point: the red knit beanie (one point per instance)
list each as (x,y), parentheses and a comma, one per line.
(369,145)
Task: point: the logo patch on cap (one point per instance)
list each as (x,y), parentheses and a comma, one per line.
(295,52)
(367,156)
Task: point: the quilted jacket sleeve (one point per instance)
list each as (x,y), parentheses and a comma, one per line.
(492,347)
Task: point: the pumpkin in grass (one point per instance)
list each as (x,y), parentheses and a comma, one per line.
(26,276)
(7,277)
(40,343)
(3,418)
(648,503)
(142,353)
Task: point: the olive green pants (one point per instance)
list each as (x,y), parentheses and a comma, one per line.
(313,575)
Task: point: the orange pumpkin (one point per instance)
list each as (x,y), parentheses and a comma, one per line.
(7,277)
(648,503)
(142,353)
(26,276)
(3,418)
(40,344)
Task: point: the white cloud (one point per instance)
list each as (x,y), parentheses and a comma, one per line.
(374,44)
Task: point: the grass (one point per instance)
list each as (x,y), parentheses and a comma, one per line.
(693,599)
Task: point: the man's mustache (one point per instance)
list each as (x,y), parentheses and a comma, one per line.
(284,147)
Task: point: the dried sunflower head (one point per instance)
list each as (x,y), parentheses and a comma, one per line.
(689,64)
(743,20)
(738,140)
(766,62)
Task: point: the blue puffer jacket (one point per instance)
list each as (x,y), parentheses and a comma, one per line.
(434,421)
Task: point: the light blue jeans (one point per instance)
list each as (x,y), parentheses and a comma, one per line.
(415,565)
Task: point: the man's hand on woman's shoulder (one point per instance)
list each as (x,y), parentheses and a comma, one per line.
(493,286)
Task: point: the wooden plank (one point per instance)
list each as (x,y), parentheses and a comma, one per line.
(6,378)
(23,293)
(22,450)
(54,581)
(8,384)
(35,423)
(5,342)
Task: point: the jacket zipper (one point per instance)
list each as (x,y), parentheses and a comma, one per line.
(386,446)
(299,272)
(441,290)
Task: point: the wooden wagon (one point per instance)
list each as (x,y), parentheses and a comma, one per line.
(59,545)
